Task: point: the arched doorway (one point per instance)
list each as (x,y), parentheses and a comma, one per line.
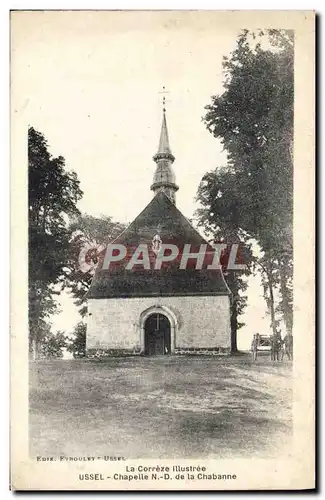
(157,335)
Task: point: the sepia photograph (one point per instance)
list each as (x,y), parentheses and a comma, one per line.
(157,184)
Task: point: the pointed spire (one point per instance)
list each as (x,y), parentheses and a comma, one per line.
(164,141)
(164,177)
(164,151)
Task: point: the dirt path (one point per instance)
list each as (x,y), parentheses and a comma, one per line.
(166,407)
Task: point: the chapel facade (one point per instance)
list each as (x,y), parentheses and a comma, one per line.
(159,310)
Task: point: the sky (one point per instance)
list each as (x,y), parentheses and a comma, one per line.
(91,82)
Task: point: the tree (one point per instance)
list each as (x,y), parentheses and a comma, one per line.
(51,345)
(217,193)
(78,344)
(53,194)
(93,233)
(254,120)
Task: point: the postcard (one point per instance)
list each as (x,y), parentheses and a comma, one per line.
(162,201)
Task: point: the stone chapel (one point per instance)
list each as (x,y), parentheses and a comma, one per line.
(165,311)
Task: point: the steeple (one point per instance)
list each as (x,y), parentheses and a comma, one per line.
(164,177)
(164,148)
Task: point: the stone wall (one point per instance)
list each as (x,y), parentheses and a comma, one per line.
(198,324)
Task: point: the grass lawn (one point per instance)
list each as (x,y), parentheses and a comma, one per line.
(173,407)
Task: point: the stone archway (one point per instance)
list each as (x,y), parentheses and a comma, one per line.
(171,319)
(157,335)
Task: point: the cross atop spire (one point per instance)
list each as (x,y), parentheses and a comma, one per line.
(164,92)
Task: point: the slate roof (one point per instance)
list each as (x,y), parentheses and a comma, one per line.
(163,218)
